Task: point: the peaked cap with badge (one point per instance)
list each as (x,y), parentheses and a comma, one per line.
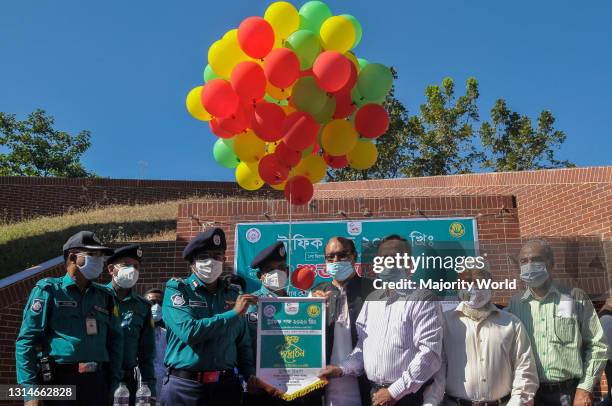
(133,251)
(211,239)
(275,252)
(85,240)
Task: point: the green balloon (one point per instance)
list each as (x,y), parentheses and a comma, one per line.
(229,142)
(358,30)
(312,15)
(375,81)
(225,155)
(307,151)
(307,96)
(327,112)
(306,46)
(362,63)
(271,99)
(209,74)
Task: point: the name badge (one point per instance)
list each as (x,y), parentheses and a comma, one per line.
(91,326)
(66,303)
(101,310)
(197,303)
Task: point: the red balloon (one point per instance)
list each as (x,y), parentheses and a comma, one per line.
(300,130)
(298,190)
(267,121)
(249,81)
(336,162)
(344,105)
(217,130)
(256,37)
(219,99)
(351,82)
(303,277)
(271,171)
(282,67)
(332,70)
(306,72)
(371,120)
(286,156)
(236,123)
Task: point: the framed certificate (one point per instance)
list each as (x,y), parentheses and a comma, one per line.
(291,343)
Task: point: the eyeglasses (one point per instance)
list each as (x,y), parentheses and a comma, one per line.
(341,256)
(216,257)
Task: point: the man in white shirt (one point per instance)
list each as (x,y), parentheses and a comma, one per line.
(156,296)
(399,338)
(487,358)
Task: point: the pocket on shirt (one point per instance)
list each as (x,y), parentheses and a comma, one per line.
(565,329)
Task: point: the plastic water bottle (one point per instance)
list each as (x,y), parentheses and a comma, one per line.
(143,395)
(121,396)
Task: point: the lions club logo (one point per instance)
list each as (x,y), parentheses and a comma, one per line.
(253,235)
(456,229)
(313,311)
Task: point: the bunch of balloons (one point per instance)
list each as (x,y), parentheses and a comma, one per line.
(288,98)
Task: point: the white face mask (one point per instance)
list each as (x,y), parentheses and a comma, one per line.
(275,280)
(156,312)
(126,276)
(476,298)
(92,268)
(208,270)
(534,274)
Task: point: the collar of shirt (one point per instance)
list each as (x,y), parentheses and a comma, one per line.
(462,306)
(129,296)
(267,292)
(528,295)
(68,281)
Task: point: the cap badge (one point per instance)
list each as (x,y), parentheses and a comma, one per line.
(217,239)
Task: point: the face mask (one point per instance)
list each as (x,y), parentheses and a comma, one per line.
(275,280)
(392,275)
(92,268)
(156,312)
(534,274)
(208,270)
(340,270)
(126,277)
(476,298)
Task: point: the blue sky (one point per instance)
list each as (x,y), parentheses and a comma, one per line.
(122,68)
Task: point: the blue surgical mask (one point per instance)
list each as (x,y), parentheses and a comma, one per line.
(156,312)
(534,274)
(92,268)
(340,270)
(392,275)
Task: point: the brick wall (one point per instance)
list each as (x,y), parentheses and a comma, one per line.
(25,197)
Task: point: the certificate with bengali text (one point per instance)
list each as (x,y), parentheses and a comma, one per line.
(291,344)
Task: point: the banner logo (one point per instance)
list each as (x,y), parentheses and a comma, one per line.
(313,311)
(253,235)
(456,229)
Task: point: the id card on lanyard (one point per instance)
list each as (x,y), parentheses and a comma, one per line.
(91,326)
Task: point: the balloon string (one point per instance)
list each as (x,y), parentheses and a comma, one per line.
(290,249)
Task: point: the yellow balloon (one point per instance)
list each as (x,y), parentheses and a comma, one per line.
(363,156)
(271,147)
(338,137)
(284,19)
(277,93)
(313,167)
(247,176)
(351,56)
(226,53)
(194,105)
(249,147)
(280,186)
(337,33)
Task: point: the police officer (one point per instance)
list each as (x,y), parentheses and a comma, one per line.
(208,339)
(273,272)
(74,323)
(136,319)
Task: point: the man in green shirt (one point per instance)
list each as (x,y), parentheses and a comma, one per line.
(74,323)
(136,320)
(208,339)
(566,336)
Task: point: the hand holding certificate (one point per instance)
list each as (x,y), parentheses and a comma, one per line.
(291,344)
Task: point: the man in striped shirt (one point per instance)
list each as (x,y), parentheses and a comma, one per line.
(566,335)
(399,341)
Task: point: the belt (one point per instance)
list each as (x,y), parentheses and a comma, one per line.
(80,368)
(562,386)
(376,386)
(204,376)
(464,402)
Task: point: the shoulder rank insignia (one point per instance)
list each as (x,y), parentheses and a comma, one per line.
(178,300)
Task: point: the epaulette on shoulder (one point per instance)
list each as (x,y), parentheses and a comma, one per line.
(143,300)
(45,283)
(175,282)
(104,288)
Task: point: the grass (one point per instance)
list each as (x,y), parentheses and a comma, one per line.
(31,242)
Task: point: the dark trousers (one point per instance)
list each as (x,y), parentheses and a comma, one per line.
(609,377)
(92,389)
(556,397)
(185,392)
(413,399)
(314,398)
(130,381)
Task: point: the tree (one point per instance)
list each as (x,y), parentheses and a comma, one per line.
(34,148)
(512,144)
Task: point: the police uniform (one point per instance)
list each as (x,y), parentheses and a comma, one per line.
(138,331)
(275,252)
(77,331)
(208,343)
